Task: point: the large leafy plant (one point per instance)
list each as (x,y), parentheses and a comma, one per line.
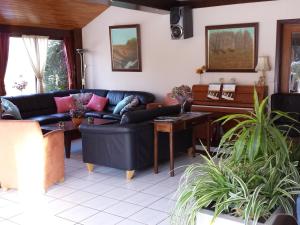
(250,177)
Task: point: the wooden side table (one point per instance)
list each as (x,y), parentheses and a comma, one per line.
(186,121)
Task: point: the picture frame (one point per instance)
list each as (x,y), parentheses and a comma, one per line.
(231,48)
(125,46)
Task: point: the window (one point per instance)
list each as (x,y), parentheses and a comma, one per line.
(19,77)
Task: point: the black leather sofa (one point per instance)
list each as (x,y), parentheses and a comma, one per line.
(42,107)
(288,103)
(129,145)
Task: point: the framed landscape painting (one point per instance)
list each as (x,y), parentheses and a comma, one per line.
(232,48)
(125,48)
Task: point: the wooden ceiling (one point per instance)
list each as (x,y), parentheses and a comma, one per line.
(59,14)
(167,4)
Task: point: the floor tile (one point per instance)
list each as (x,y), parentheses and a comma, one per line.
(58,206)
(149,216)
(79,196)
(103,219)
(7,222)
(98,188)
(120,193)
(142,199)
(10,211)
(77,213)
(165,222)
(163,204)
(45,220)
(100,203)
(77,183)
(60,191)
(123,209)
(129,222)
(95,177)
(159,190)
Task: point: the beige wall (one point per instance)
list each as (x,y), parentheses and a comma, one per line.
(168,63)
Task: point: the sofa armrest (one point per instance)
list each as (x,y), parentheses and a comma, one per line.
(54,154)
(154,105)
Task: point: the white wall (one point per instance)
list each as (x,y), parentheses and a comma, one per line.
(168,63)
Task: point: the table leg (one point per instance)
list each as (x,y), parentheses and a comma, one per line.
(68,141)
(155,150)
(194,141)
(171,154)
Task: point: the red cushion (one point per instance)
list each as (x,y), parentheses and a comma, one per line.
(64,104)
(97,103)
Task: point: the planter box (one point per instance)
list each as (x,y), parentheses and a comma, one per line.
(204,217)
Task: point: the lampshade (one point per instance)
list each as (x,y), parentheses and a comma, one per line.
(263,64)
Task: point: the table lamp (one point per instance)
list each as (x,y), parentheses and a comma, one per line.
(262,66)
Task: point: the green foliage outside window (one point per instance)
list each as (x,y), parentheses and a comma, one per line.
(55,77)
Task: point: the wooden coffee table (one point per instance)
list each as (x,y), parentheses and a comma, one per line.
(71,132)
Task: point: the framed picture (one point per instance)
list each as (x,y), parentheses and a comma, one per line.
(232,48)
(125,48)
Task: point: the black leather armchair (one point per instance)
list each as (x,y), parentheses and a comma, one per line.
(288,103)
(129,145)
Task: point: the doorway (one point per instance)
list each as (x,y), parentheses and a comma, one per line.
(288,56)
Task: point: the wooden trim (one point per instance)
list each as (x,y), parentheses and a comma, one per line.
(137,26)
(240,25)
(18,31)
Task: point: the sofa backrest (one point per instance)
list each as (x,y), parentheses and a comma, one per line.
(285,102)
(114,97)
(149,114)
(44,104)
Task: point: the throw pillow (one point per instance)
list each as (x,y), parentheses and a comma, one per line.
(97,103)
(134,102)
(81,99)
(122,104)
(64,104)
(10,108)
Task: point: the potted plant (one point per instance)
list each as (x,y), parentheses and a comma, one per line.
(249,179)
(77,116)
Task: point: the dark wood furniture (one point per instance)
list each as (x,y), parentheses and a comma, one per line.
(71,132)
(242,103)
(186,121)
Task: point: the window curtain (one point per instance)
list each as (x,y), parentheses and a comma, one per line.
(37,47)
(4,49)
(69,59)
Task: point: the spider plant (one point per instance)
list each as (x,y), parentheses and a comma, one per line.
(254,176)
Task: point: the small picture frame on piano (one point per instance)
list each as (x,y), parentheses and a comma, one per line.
(228,91)
(214,91)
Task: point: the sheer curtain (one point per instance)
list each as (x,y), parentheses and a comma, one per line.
(4,48)
(36,47)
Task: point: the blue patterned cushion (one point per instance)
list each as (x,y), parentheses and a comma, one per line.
(122,104)
(134,102)
(10,108)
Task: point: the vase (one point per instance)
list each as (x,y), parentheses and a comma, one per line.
(77,121)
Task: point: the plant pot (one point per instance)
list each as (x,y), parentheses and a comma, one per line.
(204,217)
(77,121)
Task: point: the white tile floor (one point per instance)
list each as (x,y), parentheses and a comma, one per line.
(103,197)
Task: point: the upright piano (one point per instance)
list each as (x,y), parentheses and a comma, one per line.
(243,103)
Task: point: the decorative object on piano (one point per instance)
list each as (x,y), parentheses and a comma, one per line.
(183,94)
(228,91)
(233,80)
(238,188)
(221,80)
(231,48)
(262,66)
(214,90)
(201,70)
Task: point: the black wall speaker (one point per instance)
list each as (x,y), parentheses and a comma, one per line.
(181,22)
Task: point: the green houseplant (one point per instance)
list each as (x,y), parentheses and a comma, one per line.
(250,177)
